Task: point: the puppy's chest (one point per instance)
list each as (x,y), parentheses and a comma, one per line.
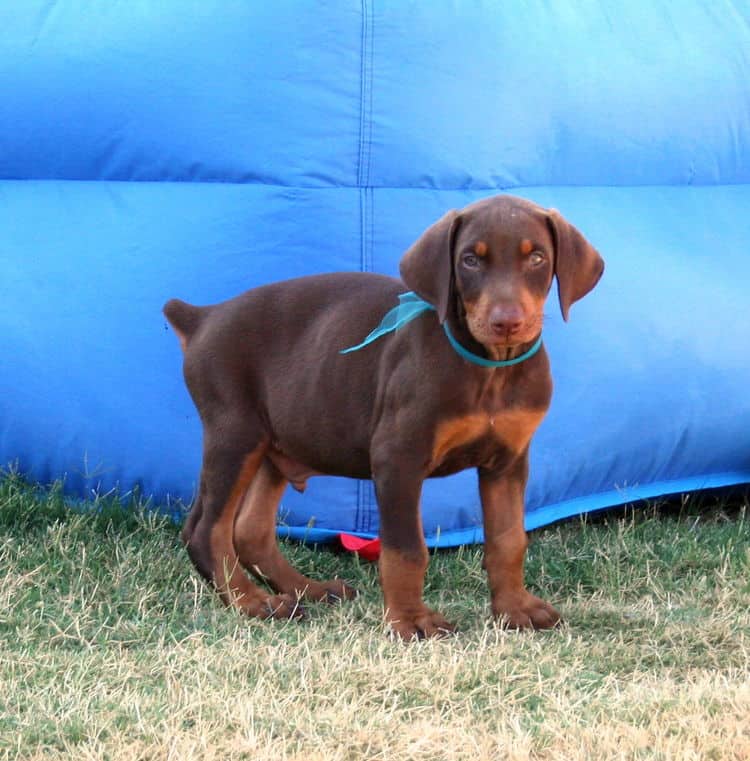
(484,438)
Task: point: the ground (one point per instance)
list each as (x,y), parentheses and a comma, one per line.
(111,647)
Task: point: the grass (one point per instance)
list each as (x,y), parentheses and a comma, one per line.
(111,648)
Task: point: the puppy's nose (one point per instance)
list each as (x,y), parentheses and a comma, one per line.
(506,320)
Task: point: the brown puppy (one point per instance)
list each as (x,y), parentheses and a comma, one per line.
(280,403)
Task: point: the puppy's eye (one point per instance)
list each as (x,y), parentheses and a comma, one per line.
(470,260)
(536,258)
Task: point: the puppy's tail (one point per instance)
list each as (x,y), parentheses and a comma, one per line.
(184,319)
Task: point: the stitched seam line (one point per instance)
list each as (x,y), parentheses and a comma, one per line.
(369,57)
(250,182)
(358,517)
(367,522)
(365,96)
(363,515)
(365,137)
(373,511)
(367,227)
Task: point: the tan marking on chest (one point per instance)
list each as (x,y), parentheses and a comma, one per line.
(515,428)
(512,429)
(457,432)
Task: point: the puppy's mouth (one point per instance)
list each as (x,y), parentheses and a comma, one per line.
(504,340)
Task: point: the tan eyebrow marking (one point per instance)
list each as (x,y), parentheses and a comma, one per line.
(526,246)
(480,248)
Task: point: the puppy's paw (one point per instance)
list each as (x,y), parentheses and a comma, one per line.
(337,591)
(525,611)
(332,591)
(418,624)
(283,607)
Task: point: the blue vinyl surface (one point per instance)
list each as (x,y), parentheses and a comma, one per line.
(197,149)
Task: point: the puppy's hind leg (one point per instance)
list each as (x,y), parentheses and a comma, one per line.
(230,462)
(192,519)
(258,550)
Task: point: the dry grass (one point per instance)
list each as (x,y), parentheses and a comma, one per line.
(112,649)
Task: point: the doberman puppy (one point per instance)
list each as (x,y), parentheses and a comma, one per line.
(279,403)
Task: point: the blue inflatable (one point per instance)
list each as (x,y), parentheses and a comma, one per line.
(158,149)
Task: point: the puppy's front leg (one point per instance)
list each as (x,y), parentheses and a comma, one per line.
(403,558)
(505,545)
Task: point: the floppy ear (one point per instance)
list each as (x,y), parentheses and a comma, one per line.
(578,265)
(427,267)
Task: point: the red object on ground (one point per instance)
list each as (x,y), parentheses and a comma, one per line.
(367,549)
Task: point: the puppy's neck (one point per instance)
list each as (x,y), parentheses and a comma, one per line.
(504,353)
(461,332)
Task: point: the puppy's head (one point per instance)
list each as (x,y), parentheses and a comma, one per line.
(493,263)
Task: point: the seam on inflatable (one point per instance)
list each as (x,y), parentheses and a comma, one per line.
(360,516)
(337,186)
(367,228)
(360,157)
(371,506)
(365,96)
(363,508)
(370,88)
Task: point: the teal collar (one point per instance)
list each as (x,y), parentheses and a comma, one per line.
(477,360)
(411,306)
